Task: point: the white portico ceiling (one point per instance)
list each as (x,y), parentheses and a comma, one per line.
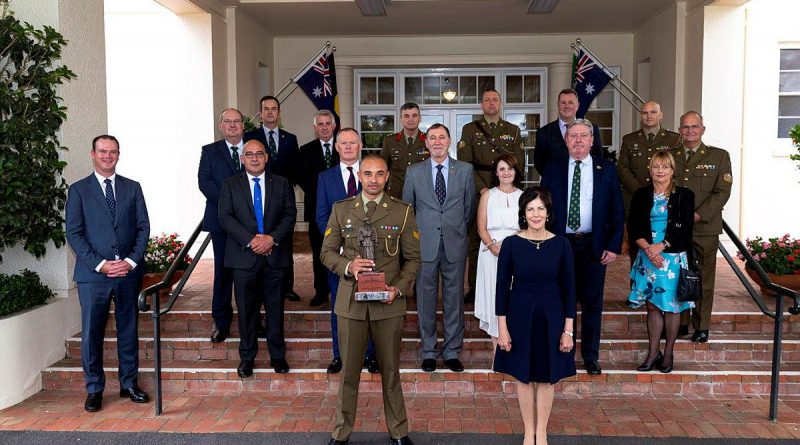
(448,17)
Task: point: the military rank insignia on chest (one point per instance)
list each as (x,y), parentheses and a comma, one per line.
(706,167)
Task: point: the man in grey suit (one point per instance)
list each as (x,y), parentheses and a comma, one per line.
(257,211)
(442,191)
(107,227)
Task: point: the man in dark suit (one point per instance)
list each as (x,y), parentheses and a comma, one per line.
(587,209)
(396,230)
(218,161)
(107,227)
(284,160)
(550,144)
(257,211)
(318,156)
(442,192)
(337,183)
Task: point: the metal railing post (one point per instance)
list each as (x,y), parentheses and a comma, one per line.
(777,348)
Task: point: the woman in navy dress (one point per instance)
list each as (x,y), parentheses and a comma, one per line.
(535,305)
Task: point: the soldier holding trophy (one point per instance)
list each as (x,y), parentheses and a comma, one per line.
(365,238)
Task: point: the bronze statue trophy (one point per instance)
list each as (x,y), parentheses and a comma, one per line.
(371,285)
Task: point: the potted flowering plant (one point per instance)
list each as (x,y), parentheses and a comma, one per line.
(161,251)
(780,259)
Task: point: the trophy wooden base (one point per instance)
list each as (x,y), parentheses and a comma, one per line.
(371,287)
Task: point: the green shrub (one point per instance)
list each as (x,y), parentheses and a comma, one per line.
(21,291)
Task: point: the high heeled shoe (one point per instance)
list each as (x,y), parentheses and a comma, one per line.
(656,363)
(665,367)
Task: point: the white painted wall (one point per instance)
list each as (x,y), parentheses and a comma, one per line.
(34,339)
(770,182)
(406,51)
(160,105)
(252,44)
(655,41)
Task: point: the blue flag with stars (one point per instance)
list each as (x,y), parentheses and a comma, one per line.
(318,81)
(588,79)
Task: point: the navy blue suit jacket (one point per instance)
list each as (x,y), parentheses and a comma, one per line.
(238,220)
(92,233)
(330,188)
(608,215)
(550,145)
(288,163)
(216,165)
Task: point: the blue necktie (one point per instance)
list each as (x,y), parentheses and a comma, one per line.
(258,207)
(439,188)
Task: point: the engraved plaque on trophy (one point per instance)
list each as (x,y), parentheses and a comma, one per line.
(371,285)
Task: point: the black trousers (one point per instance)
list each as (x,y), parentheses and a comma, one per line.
(221,307)
(590,277)
(259,285)
(320,271)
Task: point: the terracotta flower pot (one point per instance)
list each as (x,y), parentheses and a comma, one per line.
(787,281)
(152,278)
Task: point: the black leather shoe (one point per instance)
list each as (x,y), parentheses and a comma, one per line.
(280,366)
(666,367)
(94,401)
(700,336)
(405,440)
(593,368)
(318,300)
(656,363)
(372,365)
(339,442)
(292,296)
(469,297)
(245,369)
(429,365)
(335,367)
(454,364)
(135,394)
(218,335)
(683,330)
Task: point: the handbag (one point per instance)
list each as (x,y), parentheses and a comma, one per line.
(689,280)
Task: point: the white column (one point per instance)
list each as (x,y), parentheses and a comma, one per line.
(344,84)
(559,76)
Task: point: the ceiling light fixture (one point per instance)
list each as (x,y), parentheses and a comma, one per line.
(448,92)
(541,6)
(372,8)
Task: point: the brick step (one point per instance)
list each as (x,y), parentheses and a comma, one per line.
(727,348)
(317,323)
(618,378)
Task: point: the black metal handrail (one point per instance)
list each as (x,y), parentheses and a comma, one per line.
(780,293)
(157,312)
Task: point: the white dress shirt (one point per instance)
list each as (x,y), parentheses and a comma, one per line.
(102,180)
(587,193)
(346,173)
(253,184)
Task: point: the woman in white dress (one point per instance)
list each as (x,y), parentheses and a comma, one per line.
(498,217)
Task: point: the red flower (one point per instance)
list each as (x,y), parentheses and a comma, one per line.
(790,258)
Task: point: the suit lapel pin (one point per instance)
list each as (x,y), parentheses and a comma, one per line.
(384,205)
(599,167)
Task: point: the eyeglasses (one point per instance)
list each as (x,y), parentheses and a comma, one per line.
(257,154)
(690,127)
(232,121)
(661,167)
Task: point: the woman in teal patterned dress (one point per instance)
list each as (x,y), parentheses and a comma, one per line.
(660,223)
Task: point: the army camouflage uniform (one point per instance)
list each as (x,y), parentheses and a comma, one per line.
(398,155)
(708,175)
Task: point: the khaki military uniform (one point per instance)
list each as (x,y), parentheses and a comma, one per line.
(480,151)
(708,174)
(634,159)
(398,155)
(397,235)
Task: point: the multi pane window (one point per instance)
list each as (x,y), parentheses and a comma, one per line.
(788,91)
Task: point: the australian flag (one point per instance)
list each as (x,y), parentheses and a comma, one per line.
(318,81)
(588,79)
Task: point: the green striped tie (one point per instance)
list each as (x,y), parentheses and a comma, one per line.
(574,214)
